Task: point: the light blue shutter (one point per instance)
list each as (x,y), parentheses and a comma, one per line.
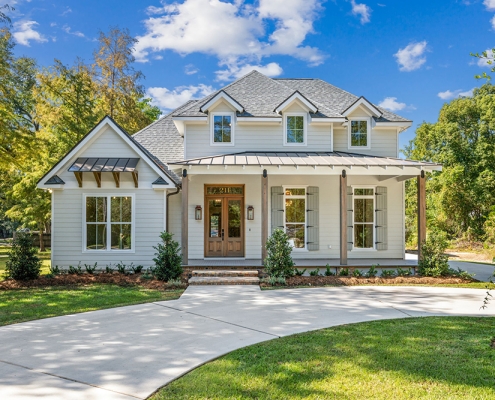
(381,218)
(350,219)
(313,218)
(277,207)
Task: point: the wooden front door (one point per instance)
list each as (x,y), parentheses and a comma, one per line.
(224,222)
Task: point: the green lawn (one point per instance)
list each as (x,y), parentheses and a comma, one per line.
(415,358)
(29,304)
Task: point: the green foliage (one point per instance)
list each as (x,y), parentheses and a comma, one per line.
(298,272)
(487,56)
(489,227)
(109,269)
(121,268)
(344,272)
(279,260)
(90,269)
(168,261)
(75,270)
(434,262)
(315,272)
(136,269)
(357,273)
(404,272)
(275,280)
(328,271)
(388,273)
(460,198)
(23,263)
(372,272)
(54,270)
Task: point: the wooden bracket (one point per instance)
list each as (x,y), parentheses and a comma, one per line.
(97,178)
(79,178)
(135,178)
(116,177)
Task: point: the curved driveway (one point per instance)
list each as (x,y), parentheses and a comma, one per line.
(128,352)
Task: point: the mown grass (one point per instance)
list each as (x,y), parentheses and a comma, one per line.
(415,358)
(29,304)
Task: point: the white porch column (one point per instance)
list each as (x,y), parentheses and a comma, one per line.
(343,218)
(185,217)
(264,213)
(421,182)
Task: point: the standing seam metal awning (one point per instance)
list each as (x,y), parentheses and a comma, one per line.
(104,165)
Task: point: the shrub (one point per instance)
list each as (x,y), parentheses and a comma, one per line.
(174,283)
(121,268)
(109,269)
(137,269)
(75,270)
(328,272)
(388,273)
(344,272)
(404,272)
(279,260)
(168,261)
(434,262)
(274,280)
(315,272)
(90,269)
(54,270)
(357,273)
(23,263)
(298,272)
(372,272)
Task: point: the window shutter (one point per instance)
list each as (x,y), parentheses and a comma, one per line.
(381,218)
(350,219)
(277,207)
(313,218)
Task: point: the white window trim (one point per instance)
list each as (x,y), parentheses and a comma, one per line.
(368,139)
(354,248)
(305,197)
(305,125)
(109,231)
(232,128)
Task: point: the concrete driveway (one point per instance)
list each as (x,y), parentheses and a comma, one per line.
(129,352)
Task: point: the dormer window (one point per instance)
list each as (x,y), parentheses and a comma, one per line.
(295,129)
(359,133)
(222,129)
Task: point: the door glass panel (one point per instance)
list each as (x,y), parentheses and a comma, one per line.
(234,228)
(215,218)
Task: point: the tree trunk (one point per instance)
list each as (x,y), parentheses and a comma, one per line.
(42,241)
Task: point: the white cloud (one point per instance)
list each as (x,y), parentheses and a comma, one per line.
(488,61)
(190,69)
(234,70)
(489,4)
(362,10)
(492,21)
(24,32)
(67,11)
(412,56)
(229,30)
(391,104)
(448,94)
(170,99)
(68,29)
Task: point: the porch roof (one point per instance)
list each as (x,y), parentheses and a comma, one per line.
(309,159)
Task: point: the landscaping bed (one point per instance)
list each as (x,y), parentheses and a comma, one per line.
(298,281)
(114,278)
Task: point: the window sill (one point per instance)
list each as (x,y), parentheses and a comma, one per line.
(359,147)
(362,249)
(109,251)
(295,144)
(221,144)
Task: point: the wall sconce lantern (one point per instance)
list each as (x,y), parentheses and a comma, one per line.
(250,213)
(198,213)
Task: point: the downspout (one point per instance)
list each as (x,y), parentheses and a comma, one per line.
(177,191)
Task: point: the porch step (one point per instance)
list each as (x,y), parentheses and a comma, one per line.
(224,273)
(224,280)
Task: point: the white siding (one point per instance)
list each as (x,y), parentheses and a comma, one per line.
(383,142)
(67,221)
(175,215)
(329,209)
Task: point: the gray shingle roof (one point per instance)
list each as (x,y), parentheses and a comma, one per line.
(260,95)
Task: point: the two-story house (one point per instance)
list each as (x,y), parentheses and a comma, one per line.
(223,172)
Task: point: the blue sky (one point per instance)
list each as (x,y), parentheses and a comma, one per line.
(408,56)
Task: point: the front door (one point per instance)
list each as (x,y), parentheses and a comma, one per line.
(224,230)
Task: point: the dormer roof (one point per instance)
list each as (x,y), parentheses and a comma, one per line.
(296,97)
(221,95)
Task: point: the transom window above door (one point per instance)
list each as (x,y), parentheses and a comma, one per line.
(295,129)
(222,128)
(359,134)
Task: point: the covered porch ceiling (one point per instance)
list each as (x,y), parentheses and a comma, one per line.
(303,163)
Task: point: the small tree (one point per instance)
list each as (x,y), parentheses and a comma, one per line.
(434,262)
(23,263)
(168,261)
(279,261)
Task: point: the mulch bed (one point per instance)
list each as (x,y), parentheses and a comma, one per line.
(353,281)
(87,279)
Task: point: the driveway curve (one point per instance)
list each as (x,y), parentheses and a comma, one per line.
(128,352)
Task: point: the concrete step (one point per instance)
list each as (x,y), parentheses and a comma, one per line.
(224,280)
(224,273)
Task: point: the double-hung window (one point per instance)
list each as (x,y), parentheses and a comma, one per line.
(108,223)
(359,133)
(222,128)
(364,217)
(295,129)
(295,216)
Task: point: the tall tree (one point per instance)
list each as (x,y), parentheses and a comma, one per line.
(121,93)
(487,56)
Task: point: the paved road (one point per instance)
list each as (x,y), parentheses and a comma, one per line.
(128,352)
